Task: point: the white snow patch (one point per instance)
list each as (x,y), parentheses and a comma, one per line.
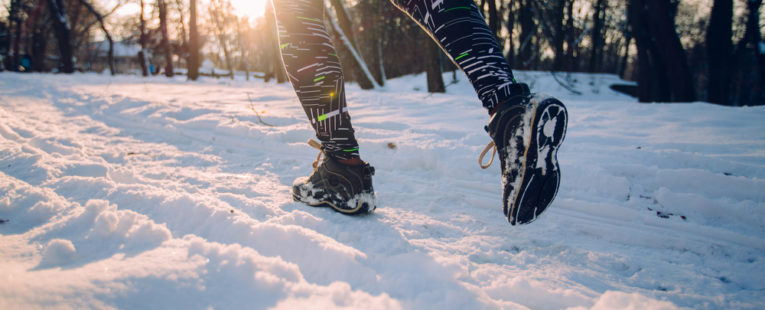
(125,192)
(635,301)
(549,127)
(58,252)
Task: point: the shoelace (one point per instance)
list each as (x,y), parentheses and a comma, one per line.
(317,146)
(491,146)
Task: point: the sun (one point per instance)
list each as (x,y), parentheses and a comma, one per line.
(251,8)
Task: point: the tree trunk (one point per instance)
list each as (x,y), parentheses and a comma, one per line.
(663,68)
(494,22)
(39,42)
(344,29)
(271,42)
(433,65)
(671,50)
(279,71)
(528,31)
(216,10)
(180,9)
(720,51)
(754,17)
(639,30)
(570,36)
(626,57)
(510,57)
(142,41)
(63,34)
(275,66)
(598,18)
(371,38)
(8,60)
(227,55)
(243,48)
(194,61)
(165,41)
(15,30)
(559,35)
(751,60)
(375,63)
(39,46)
(380,63)
(184,47)
(344,21)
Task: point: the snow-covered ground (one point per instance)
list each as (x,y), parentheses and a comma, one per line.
(131,193)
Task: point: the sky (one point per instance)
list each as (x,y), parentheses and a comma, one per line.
(252,8)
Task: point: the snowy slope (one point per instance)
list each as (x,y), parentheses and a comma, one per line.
(130,193)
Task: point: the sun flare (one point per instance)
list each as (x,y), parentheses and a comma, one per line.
(251,8)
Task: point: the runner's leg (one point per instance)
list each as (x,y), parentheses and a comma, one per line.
(459,28)
(314,71)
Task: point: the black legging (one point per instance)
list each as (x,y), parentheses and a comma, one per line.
(314,69)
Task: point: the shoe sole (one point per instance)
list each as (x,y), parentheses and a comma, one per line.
(539,178)
(362,205)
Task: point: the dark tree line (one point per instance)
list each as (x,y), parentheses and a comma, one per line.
(663,72)
(674,54)
(674,49)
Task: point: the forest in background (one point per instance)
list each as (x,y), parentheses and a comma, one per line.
(676,50)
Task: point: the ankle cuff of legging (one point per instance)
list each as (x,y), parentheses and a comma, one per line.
(514,90)
(344,154)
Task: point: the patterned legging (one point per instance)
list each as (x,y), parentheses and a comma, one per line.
(314,69)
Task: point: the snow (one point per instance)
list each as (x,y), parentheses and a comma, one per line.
(130,193)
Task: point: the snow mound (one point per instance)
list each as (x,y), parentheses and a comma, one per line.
(635,301)
(58,252)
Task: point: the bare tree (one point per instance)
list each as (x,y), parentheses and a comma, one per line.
(371,36)
(194,61)
(142,57)
(344,29)
(751,59)
(598,18)
(510,25)
(36,24)
(63,34)
(559,33)
(663,70)
(242,42)
(571,41)
(275,67)
(433,65)
(164,44)
(720,51)
(182,34)
(527,52)
(219,14)
(15,31)
(494,22)
(100,18)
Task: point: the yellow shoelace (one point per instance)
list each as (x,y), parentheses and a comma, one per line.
(493,148)
(317,146)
